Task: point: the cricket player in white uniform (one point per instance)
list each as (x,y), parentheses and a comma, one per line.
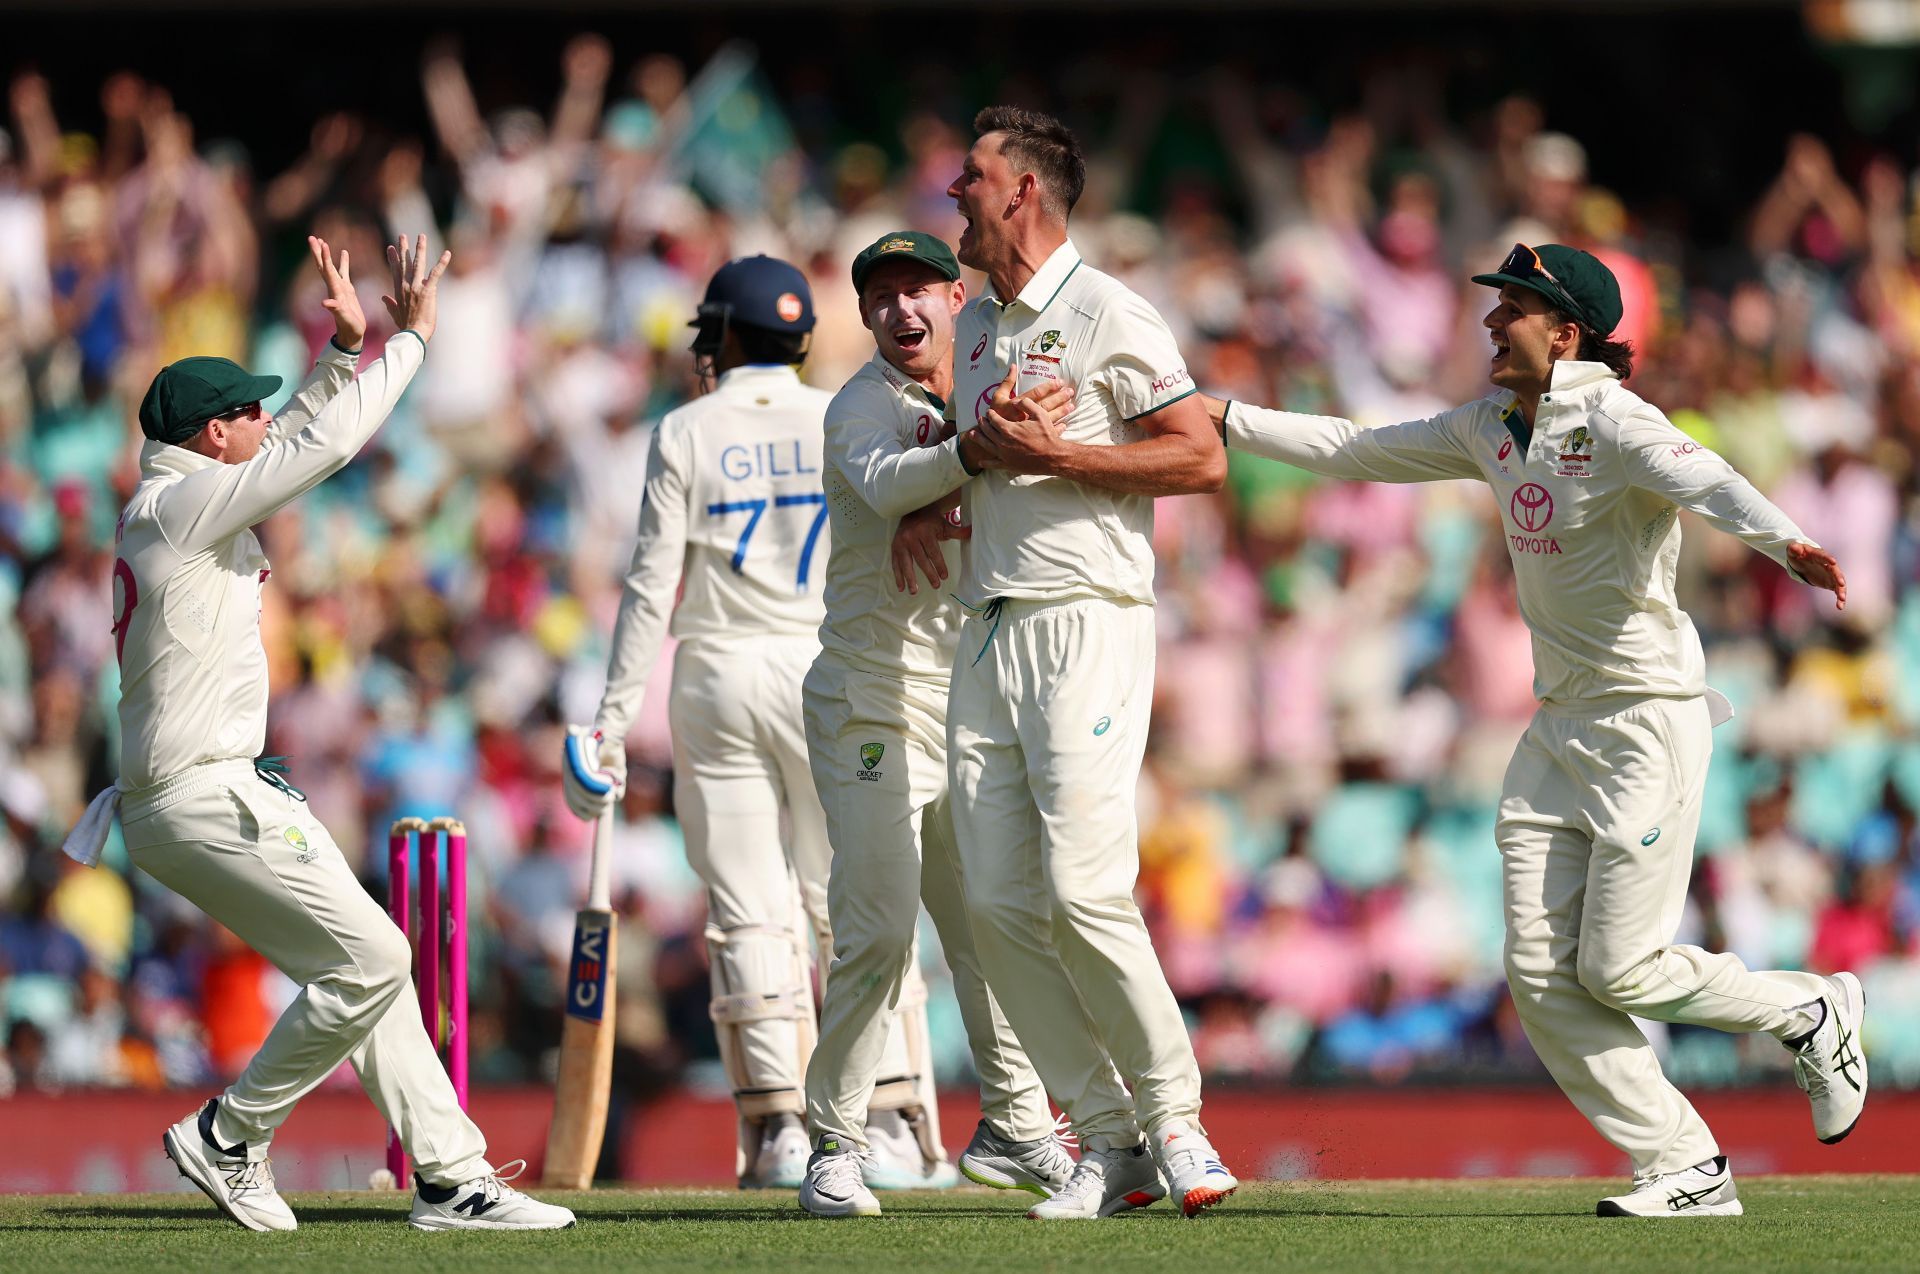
(224,830)
(1602,798)
(1053,684)
(876,708)
(733,509)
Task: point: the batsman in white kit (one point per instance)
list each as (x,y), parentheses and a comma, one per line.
(225,830)
(1053,684)
(1603,795)
(876,708)
(734,512)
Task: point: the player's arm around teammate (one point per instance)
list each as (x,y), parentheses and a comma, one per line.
(230,835)
(875,705)
(1052,691)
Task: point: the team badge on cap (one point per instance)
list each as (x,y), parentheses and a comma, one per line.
(788,307)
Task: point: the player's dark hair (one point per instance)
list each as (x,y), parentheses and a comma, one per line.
(1043,145)
(763,346)
(1595,348)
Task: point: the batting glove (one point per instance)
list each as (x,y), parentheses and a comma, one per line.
(593,772)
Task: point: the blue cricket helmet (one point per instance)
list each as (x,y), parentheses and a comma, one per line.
(759,291)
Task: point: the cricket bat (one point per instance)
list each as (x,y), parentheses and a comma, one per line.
(586,1035)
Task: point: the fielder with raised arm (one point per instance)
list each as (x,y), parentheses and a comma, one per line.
(1053,685)
(876,707)
(733,510)
(1603,796)
(219,825)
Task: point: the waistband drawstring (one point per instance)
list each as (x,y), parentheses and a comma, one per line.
(990,611)
(273,772)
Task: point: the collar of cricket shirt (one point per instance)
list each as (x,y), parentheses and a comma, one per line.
(902,383)
(756,372)
(1571,374)
(167,457)
(1045,283)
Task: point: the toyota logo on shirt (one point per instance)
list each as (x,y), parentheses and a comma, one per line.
(1532,507)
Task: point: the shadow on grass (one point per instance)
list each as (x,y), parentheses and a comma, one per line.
(310,1215)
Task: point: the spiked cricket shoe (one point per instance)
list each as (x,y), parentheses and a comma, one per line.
(1829,1064)
(241,1187)
(1706,1189)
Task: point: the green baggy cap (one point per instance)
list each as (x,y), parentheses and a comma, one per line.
(186,394)
(1573,280)
(910,244)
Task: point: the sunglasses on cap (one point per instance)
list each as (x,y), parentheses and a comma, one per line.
(1524,263)
(240,413)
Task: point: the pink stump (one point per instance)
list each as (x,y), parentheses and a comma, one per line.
(431,922)
(398,908)
(457,958)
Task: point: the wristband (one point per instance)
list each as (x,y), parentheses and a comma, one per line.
(961,452)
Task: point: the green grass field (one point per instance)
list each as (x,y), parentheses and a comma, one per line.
(1792,1224)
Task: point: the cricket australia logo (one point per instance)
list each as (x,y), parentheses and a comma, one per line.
(303,850)
(870,754)
(1049,339)
(1576,453)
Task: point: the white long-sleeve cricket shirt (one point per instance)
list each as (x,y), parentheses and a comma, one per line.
(1588,507)
(189,570)
(733,511)
(885,458)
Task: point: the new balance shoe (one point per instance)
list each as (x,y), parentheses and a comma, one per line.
(1829,1065)
(484,1203)
(1706,1189)
(1040,1167)
(241,1187)
(1108,1179)
(1196,1177)
(834,1184)
(782,1161)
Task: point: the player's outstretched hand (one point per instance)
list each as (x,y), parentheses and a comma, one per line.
(1819,568)
(349,320)
(1023,434)
(414,302)
(916,546)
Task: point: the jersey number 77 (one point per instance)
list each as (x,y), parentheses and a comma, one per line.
(755,508)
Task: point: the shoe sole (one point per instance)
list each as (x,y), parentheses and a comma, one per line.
(1200,1198)
(1131,1201)
(982,1177)
(1856,995)
(440,1225)
(184,1162)
(1608,1208)
(840,1216)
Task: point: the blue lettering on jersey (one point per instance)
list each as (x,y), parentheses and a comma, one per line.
(783,459)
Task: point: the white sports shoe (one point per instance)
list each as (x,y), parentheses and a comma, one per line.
(484,1203)
(1108,1179)
(782,1161)
(1040,1167)
(894,1159)
(1196,1177)
(241,1187)
(834,1185)
(1706,1189)
(1830,1065)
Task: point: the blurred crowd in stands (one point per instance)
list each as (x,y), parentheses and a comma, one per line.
(1342,671)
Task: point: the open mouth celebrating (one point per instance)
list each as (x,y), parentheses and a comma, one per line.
(910,339)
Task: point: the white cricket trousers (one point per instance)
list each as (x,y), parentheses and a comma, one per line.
(879,752)
(1046,728)
(257,860)
(1596,843)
